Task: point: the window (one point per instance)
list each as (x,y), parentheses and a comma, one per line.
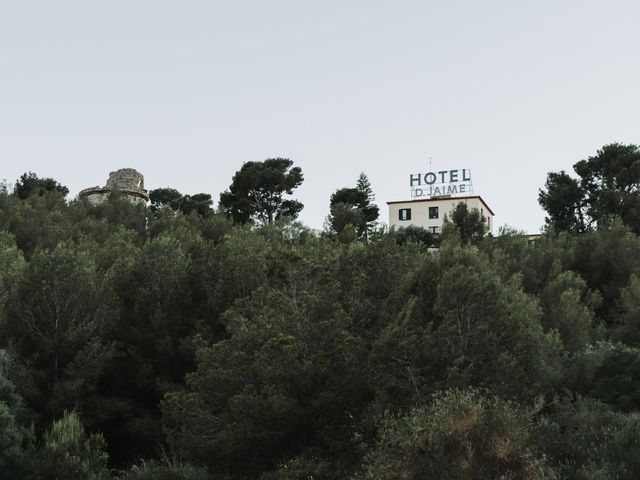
(433,212)
(405,214)
(434,230)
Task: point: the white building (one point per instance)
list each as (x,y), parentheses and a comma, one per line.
(429,213)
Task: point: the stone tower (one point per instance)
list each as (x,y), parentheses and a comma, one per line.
(128,181)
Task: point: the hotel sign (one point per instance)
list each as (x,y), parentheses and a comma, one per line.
(443,182)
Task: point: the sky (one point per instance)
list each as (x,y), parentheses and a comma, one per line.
(187,91)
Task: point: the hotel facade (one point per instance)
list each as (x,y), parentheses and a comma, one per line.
(429,213)
(434,197)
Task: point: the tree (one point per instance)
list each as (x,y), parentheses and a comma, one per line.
(460,434)
(160,471)
(118,210)
(606,259)
(353,207)
(164,198)
(29,184)
(67,452)
(346,212)
(290,377)
(171,198)
(12,455)
(587,440)
(628,306)
(414,234)
(608,372)
(199,203)
(39,221)
(568,307)
(364,185)
(563,200)
(469,224)
(305,466)
(59,321)
(12,266)
(608,185)
(459,324)
(257,192)
(271,353)
(370,211)
(13,458)
(154,322)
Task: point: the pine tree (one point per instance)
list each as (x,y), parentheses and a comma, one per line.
(363,184)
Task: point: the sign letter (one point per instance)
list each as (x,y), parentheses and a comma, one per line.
(413,179)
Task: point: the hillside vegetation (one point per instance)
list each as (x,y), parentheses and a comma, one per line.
(156,343)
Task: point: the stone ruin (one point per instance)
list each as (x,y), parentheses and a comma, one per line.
(128,181)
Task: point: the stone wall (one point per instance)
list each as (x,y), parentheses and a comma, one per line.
(128,181)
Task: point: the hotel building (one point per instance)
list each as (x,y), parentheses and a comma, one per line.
(429,213)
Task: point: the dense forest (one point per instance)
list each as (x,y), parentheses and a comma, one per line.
(180,341)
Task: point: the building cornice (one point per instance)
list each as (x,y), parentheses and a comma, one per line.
(438,199)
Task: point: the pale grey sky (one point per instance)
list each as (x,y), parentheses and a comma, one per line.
(186,91)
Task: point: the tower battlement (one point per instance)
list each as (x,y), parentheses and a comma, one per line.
(127,181)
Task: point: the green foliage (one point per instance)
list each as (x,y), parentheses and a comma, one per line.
(58,316)
(460,434)
(510,254)
(117,210)
(13,437)
(305,467)
(569,308)
(628,306)
(60,313)
(563,200)
(606,259)
(229,270)
(257,190)
(155,321)
(469,225)
(460,325)
(12,266)
(67,452)
(159,471)
(352,211)
(413,234)
(364,185)
(586,440)
(608,372)
(36,222)
(162,198)
(289,375)
(29,184)
(608,186)
(266,352)
(370,210)
(165,198)
(12,455)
